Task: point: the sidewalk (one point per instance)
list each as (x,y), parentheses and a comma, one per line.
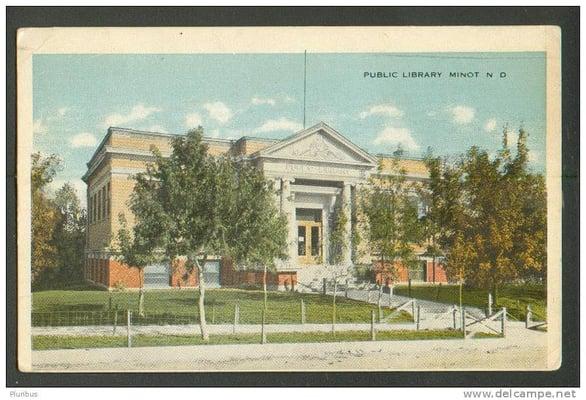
(521,349)
(427,306)
(224,329)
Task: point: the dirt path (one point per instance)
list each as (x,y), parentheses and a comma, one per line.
(521,350)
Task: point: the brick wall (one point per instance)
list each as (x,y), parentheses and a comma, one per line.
(230,277)
(180,277)
(440,273)
(384,273)
(124,275)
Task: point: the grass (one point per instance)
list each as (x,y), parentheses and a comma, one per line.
(69,307)
(80,342)
(486,335)
(514,297)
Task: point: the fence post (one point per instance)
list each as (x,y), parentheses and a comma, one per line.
(409,287)
(464,321)
(380,310)
(324,286)
(372,328)
(368,294)
(214,312)
(346,289)
(115,321)
(263,334)
(418,312)
(128,335)
(302,312)
(489,305)
(454,311)
(413,309)
(504,321)
(528,317)
(236,317)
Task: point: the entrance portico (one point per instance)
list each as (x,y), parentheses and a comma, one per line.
(314,172)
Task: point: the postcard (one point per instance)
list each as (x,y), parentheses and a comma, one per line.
(289,199)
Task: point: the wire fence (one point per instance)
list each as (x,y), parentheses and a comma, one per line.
(218,314)
(356,314)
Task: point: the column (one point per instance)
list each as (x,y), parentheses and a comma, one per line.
(347,207)
(288,208)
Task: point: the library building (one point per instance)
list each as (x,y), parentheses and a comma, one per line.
(315,172)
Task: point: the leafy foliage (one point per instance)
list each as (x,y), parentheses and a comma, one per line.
(196,205)
(58,228)
(338,240)
(390,206)
(44,218)
(492,216)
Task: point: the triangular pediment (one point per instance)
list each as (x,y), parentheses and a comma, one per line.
(319,143)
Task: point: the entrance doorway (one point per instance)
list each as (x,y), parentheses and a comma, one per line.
(309,236)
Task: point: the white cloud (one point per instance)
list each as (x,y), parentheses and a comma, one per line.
(39,127)
(396,136)
(62,111)
(215,133)
(84,139)
(281,124)
(138,113)
(257,101)
(288,99)
(192,120)
(219,111)
(431,113)
(387,110)
(462,115)
(490,125)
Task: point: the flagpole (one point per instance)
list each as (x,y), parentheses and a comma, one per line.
(304,84)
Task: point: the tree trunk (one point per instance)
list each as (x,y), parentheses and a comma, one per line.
(201,301)
(494,292)
(433,268)
(264,287)
(141,294)
(263,338)
(334,306)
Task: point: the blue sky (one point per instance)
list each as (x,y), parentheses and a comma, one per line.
(76,98)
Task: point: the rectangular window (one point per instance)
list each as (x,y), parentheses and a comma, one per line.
(315,248)
(89,207)
(100,205)
(301,234)
(103,202)
(108,199)
(94,208)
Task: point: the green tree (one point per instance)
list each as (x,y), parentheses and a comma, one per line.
(195,205)
(443,207)
(134,247)
(257,235)
(338,245)
(43,219)
(390,205)
(492,215)
(69,235)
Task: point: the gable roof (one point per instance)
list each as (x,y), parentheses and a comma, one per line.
(361,157)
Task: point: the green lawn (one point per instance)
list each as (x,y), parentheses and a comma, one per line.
(515,298)
(63,307)
(77,342)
